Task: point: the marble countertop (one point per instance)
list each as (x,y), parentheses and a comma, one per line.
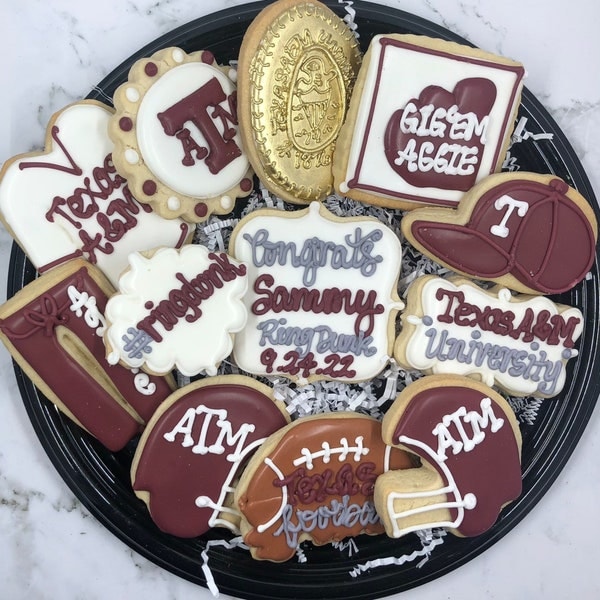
(56,52)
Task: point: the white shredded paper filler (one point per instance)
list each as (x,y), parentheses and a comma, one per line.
(369,397)
(236,542)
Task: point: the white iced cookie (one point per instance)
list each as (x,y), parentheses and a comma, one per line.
(176,310)
(322,296)
(519,343)
(69,201)
(176,135)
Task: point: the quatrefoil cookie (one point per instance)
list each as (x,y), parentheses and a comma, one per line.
(176,135)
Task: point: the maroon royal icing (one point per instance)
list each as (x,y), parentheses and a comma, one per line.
(549,248)
(149,187)
(33,330)
(175,471)
(473,96)
(151,69)
(203,108)
(125,124)
(491,470)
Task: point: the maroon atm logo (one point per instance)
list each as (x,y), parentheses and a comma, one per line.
(217,125)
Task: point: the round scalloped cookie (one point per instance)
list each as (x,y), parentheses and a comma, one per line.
(176,135)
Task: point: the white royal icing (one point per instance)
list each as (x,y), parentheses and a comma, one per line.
(86,306)
(405,74)
(195,308)
(361,258)
(523,366)
(66,185)
(162,153)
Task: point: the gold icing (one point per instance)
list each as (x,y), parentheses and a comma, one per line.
(301,78)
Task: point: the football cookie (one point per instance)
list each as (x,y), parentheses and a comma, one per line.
(176,309)
(191,452)
(469,444)
(520,343)
(176,135)
(69,200)
(322,297)
(53,328)
(313,480)
(532,233)
(428,118)
(297,65)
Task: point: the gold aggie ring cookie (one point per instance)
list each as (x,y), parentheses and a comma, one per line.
(298,62)
(176,135)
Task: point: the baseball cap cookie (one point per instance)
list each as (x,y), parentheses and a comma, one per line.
(531,233)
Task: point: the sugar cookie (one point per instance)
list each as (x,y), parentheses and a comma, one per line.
(53,328)
(69,201)
(520,343)
(532,233)
(176,309)
(176,135)
(297,65)
(428,118)
(191,453)
(322,296)
(469,443)
(314,480)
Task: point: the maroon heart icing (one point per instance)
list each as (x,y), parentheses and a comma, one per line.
(437,140)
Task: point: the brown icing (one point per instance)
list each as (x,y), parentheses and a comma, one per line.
(222,420)
(36,331)
(338,487)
